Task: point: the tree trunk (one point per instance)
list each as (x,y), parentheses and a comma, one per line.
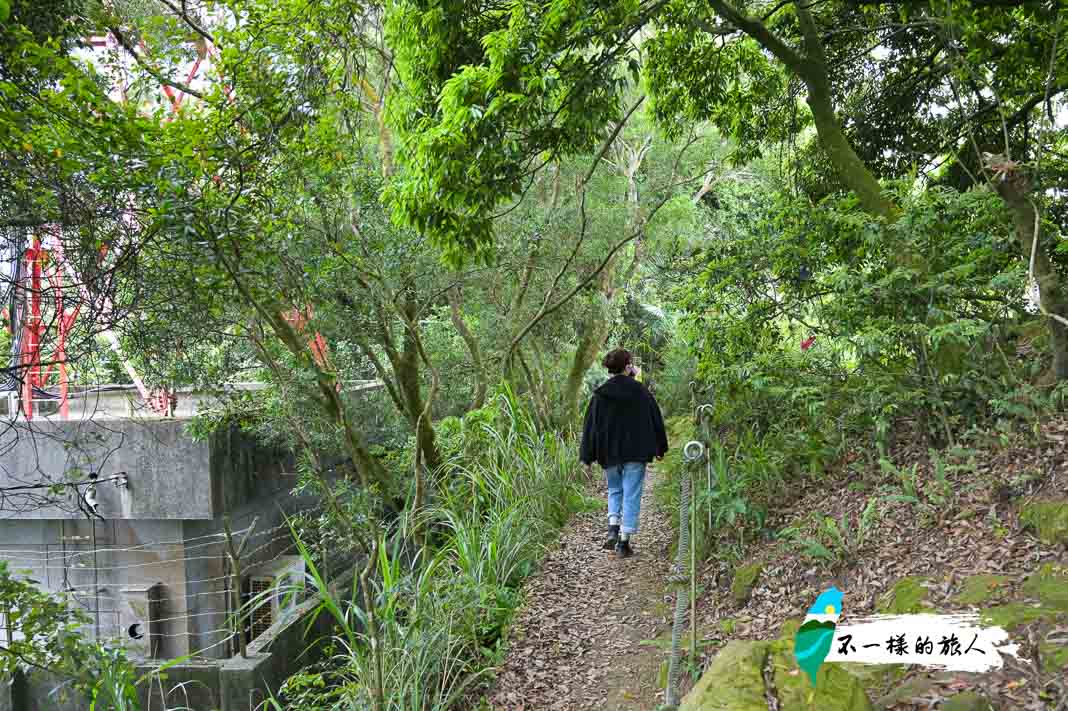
(811,67)
(407,373)
(458,321)
(591,340)
(1015,190)
(851,170)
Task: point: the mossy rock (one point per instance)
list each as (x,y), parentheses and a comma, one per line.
(745,579)
(1054,656)
(836,689)
(980,588)
(1049,520)
(1015,614)
(874,676)
(906,597)
(916,686)
(1050,585)
(733,682)
(790,627)
(967,701)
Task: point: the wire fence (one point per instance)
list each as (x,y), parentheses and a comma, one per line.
(174,595)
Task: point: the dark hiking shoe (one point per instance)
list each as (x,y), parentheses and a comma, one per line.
(613,538)
(623,550)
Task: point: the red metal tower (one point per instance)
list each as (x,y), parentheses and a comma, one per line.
(41,310)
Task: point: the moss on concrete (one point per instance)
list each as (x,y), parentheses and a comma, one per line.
(735,681)
(917,686)
(1048,519)
(790,627)
(745,579)
(874,676)
(906,597)
(980,588)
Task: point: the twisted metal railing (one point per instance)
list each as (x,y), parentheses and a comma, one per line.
(684,573)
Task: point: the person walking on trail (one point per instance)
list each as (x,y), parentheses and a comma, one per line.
(623,432)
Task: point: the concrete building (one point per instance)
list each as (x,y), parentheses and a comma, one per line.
(133,529)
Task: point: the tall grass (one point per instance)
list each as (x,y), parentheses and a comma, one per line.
(440,619)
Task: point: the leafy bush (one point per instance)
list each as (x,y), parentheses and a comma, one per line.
(815,329)
(503,491)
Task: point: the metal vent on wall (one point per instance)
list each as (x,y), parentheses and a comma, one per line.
(263,613)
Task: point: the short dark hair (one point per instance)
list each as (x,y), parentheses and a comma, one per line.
(617,361)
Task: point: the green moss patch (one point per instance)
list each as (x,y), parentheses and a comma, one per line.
(733,682)
(1048,519)
(1054,656)
(967,701)
(1015,614)
(1049,584)
(917,686)
(835,690)
(980,588)
(906,597)
(745,579)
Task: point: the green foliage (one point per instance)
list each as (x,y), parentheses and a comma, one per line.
(475,79)
(50,638)
(742,92)
(441,613)
(837,540)
(928,337)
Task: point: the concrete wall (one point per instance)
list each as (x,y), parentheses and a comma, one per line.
(185,686)
(170,476)
(276,655)
(38,691)
(130,555)
(164,529)
(169,473)
(5,695)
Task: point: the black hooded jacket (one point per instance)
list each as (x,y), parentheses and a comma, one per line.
(623,424)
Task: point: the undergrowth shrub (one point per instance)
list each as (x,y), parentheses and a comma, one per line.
(817,330)
(503,491)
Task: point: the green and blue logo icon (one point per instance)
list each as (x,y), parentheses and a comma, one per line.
(813,640)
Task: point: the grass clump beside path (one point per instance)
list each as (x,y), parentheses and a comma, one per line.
(441,612)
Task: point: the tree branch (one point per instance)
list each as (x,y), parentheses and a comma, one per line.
(184,15)
(124,42)
(760,32)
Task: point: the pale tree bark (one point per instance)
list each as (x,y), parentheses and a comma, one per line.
(456,312)
(1015,187)
(598,321)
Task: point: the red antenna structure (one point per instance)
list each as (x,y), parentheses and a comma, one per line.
(40,266)
(41,323)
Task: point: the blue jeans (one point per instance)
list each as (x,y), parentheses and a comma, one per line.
(625,483)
